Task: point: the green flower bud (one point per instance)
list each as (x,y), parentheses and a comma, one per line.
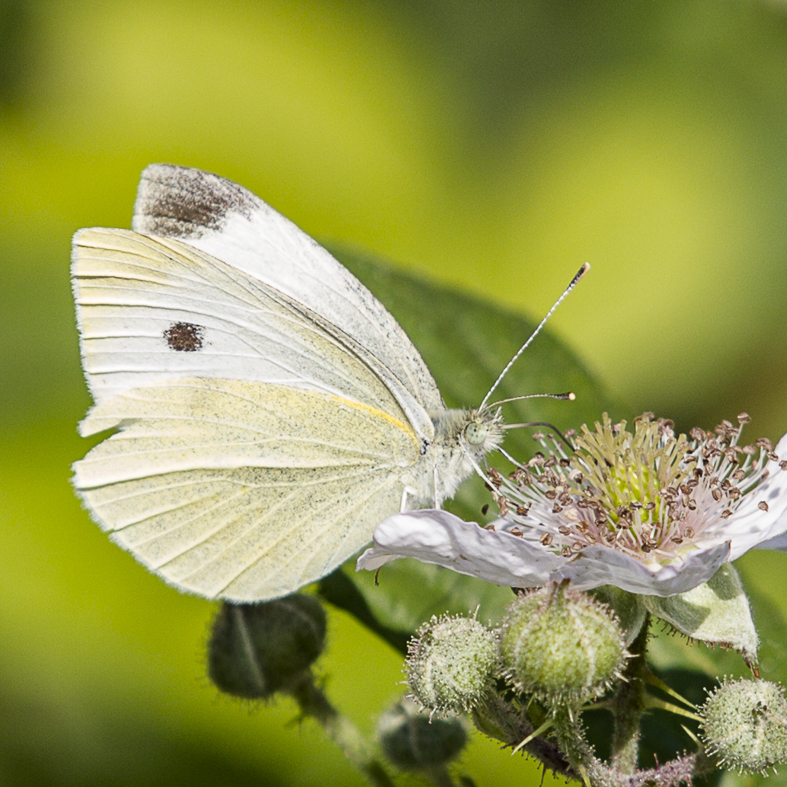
(256,650)
(414,742)
(451,665)
(745,725)
(560,645)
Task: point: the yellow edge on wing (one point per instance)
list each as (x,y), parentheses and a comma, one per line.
(378,414)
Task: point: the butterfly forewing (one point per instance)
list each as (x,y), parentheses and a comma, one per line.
(229,222)
(141,300)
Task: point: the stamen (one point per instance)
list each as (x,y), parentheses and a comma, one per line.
(649,493)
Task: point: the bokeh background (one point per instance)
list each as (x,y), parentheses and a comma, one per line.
(491,146)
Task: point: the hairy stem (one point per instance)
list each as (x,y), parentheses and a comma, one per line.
(340,730)
(440,777)
(584,763)
(628,706)
(498,719)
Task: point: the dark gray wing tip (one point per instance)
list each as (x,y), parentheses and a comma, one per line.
(182,202)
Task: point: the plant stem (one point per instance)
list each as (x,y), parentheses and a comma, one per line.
(585,765)
(439,777)
(501,721)
(340,729)
(628,706)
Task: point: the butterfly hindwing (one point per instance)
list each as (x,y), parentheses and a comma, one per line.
(241,490)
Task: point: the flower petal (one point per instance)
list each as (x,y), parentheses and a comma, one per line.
(439,537)
(599,565)
(778,542)
(750,526)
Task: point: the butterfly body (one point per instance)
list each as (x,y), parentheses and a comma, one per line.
(269,412)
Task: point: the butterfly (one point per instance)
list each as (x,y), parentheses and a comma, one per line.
(268,411)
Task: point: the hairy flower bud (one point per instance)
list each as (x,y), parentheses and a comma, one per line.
(451,665)
(560,645)
(414,742)
(745,725)
(256,650)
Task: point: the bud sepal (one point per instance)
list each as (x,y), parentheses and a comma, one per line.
(716,612)
(256,650)
(413,741)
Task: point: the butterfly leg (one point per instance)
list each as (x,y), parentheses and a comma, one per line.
(405,495)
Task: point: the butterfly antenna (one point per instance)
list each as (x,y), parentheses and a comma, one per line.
(582,271)
(557,431)
(569,396)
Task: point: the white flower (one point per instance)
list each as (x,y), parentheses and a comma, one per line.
(649,512)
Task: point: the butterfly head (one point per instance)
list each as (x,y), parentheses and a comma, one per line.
(482,431)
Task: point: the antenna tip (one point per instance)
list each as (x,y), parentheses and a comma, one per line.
(571,396)
(579,275)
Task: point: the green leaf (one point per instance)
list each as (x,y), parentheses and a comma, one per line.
(466,342)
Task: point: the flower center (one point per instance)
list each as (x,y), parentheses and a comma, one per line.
(648,493)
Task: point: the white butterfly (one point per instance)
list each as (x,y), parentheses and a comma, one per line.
(269,411)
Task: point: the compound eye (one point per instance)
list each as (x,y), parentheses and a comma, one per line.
(476,433)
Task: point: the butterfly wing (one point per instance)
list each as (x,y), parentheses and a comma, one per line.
(229,222)
(240,490)
(155,309)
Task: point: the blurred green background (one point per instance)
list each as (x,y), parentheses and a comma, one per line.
(492,146)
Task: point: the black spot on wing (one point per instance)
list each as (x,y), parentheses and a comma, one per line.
(180,202)
(184,337)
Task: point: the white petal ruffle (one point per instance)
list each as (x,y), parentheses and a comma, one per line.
(750,527)
(505,559)
(439,537)
(599,565)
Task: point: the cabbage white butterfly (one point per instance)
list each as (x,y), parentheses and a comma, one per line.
(269,411)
